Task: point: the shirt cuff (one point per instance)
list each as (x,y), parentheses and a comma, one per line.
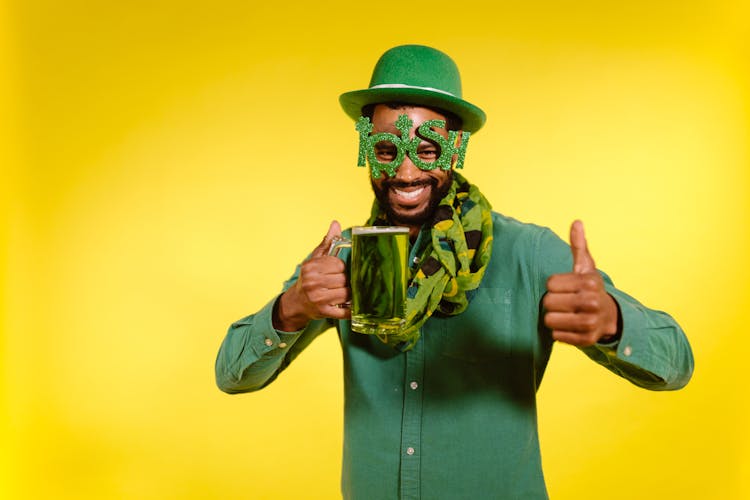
(268,339)
(634,344)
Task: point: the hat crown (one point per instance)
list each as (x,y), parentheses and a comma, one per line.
(417,66)
(416,75)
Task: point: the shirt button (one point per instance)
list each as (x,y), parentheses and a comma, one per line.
(282,345)
(627,351)
(414,385)
(410,451)
(268,342)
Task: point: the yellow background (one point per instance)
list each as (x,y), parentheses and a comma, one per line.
(166,164)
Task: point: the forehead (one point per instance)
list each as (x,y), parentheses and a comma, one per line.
(384,116)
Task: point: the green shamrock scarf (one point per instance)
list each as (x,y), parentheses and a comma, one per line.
(451,264)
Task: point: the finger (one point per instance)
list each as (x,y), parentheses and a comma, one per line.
(335,279)
(333,230)
(571,322)
(337,299)
(322,282)
(315,283)
(331,297)
(574,282)
(583,262)
(574,338)
(336,312)
(323,266)
(571,302)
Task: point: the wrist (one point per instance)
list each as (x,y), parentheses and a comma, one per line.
(613,329)
(286,317)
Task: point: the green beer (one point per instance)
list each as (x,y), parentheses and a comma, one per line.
(378,278)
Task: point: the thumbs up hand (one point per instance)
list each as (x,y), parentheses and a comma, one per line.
(320,286)
(578,309)
(583,262)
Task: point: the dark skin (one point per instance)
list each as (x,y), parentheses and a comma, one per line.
(578,310)
(322,279)
(320,287)
(407,195)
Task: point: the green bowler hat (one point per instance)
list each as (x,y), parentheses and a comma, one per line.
(419,75)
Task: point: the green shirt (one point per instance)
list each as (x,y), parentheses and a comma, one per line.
(455,417)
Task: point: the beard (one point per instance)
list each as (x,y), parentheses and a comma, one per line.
(438,191)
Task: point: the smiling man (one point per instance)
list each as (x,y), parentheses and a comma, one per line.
(411,196)
(446,408)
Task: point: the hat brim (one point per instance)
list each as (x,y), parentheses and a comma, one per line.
(473,118)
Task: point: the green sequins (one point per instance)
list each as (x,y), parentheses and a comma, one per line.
(398,146)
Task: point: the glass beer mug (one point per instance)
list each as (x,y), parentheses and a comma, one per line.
(378,277)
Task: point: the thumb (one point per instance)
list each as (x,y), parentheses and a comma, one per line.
(583,262)
(334,230)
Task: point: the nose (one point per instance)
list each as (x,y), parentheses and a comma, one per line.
(407,171)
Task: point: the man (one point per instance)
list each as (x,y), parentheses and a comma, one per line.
(447,408)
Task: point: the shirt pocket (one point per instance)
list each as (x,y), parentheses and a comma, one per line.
(483,332)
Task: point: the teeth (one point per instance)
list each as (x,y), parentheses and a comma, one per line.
(409,195)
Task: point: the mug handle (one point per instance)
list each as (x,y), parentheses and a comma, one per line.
(337,244)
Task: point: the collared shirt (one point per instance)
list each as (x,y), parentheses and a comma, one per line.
(455,417)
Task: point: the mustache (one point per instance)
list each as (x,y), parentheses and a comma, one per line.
(392,183)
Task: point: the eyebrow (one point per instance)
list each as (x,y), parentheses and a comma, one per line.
(391,128)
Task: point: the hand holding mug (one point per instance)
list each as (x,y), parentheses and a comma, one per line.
(379,274)
(320,287)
